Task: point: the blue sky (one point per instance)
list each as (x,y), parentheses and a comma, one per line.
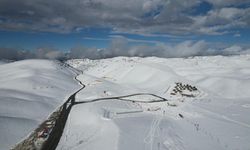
(101,38)
(97,24)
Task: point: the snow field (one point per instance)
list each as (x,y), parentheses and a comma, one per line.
(30,90)
(215,116)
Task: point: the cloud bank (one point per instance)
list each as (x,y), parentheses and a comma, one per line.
(40,53)
(120,47)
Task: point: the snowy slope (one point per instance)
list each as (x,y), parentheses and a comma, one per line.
(208,107)
(29,91)
(4,61)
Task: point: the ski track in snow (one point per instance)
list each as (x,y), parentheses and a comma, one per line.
(223,117)
(153,132)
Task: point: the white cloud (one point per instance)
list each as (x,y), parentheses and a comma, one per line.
(223,3)
(121,47)
(230,13)
(237,35)
(132,40)
(220,21)
(123,16)
(96,39)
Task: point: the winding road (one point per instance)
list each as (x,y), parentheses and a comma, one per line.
(57,131)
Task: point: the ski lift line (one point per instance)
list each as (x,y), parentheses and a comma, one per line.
(223,117)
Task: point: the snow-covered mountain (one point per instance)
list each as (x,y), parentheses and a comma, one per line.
(208,107)
(29,91)
(133,103)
